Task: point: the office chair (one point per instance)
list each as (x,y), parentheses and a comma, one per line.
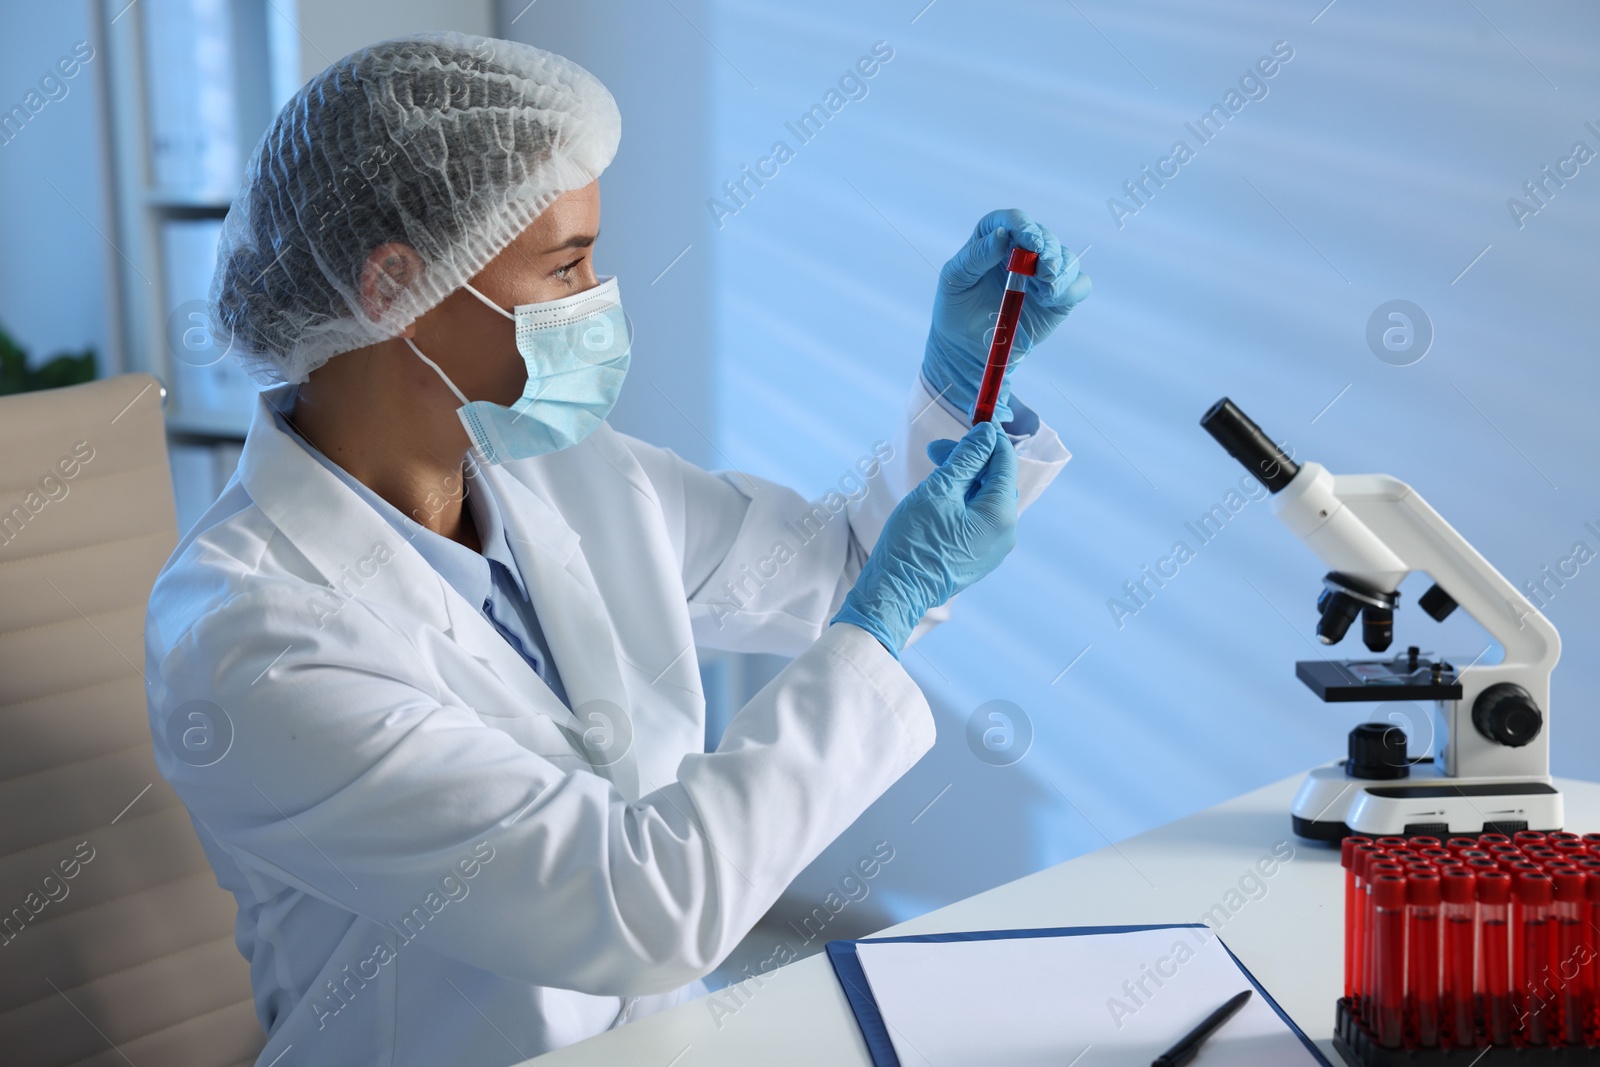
(116,944)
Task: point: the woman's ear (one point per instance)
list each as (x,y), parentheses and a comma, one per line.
(390,269)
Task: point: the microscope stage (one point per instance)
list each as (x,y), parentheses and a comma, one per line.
(1343,681)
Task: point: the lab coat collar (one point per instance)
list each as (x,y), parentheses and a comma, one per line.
(574,619)
(466,571)
(474,633)
(491,531)
(334,528)
(542,526)
(329,524)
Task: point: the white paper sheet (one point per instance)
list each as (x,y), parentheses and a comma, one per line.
(1027,1001)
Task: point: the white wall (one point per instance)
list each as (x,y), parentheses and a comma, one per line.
(54,219)
(1377,167)
(656,64)
(331,29)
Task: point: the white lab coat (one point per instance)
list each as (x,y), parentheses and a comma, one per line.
(429,868)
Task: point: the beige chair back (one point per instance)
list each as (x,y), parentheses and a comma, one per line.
(116,945)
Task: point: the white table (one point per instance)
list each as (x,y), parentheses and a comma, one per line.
(1290,937)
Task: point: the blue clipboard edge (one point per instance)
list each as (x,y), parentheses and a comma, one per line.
(853,980)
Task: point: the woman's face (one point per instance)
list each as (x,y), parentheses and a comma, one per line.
(551,259)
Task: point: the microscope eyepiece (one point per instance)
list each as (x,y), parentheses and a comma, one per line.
(1244,441)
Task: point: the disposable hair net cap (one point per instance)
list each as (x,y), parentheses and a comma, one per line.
(446,142)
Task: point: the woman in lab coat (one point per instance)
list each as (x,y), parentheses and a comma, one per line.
(425,675)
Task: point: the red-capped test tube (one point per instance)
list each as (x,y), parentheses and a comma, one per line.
(1573,847)
(1361,857)
(1347,849)
(1591,893)
(1494,906)
(1572,954)
(1422,955)
(1019,269)
(1379,867)
(1534,1002)
(1389,951)
(1458,910)
(1519,869)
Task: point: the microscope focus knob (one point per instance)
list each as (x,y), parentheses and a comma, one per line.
(1377,751)
(1506,714)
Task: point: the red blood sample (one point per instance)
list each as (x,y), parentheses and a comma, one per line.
(1494,895)
(1422,956)
(1535,1001)
(1019,268)
(1389,948)
(1573,949)
(1458,910)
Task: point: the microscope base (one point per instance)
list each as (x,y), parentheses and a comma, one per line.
(1331,805)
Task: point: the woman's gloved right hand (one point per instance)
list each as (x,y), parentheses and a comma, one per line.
(947,533)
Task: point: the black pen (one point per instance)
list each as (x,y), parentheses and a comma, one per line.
(1185,1050)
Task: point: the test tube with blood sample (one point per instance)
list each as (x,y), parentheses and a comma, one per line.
(1019,268)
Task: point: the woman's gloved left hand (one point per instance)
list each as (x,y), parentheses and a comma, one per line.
(945,534)
(968,299)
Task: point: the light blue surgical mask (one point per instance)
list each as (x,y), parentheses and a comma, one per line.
(577,351)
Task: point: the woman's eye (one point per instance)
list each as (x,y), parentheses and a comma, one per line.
(562,272)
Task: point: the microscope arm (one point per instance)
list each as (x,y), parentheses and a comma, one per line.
(1378,529)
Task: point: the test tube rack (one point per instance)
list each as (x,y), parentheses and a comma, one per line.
(1471,952)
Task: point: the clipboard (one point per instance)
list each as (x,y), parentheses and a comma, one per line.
(858,991)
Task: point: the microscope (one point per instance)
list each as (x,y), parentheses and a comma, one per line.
(1489,771)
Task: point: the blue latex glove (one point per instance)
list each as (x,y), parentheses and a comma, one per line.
(968,301)
(946,534)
